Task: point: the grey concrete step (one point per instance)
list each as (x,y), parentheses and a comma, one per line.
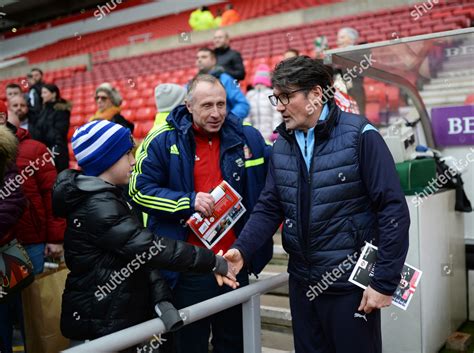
(279,301)
(447,91)
(276,342)
(447,83)
(271,350)
(453,80)
(279,252)
(449,100)
(464,62)
(277,238)
(456,73)
(275,319)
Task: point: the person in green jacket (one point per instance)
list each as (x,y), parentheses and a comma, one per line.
(201,19)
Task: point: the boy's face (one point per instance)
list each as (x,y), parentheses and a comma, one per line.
(120,172)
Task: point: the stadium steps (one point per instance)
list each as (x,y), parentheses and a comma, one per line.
(452,84)
(447,91)
(456,73)
(464,83)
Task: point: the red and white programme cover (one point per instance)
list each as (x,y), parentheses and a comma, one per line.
(228,209)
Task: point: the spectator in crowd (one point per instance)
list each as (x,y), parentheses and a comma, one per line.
(104,240)
(236,102)
(37,230)
(339,91)
(201,19)
(40,233)
(263,116)
(290,53)
(229,59)
(230,16)
(12,201)
(218,18)
(35,92)
(12,90)
(170,184)
(328,217)
(167,97)
(12,204)
(52,125)
(347,37)
(18,109)
(108,101)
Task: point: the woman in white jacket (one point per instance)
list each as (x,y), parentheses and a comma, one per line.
(263,116)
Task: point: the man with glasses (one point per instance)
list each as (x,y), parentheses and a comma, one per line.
(332,182)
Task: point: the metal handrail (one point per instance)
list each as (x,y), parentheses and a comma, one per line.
(248,295)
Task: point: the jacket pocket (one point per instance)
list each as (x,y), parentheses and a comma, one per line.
(355,233)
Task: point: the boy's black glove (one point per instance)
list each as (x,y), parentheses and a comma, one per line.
(221,267)
(169,315)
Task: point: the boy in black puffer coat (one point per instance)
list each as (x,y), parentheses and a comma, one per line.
(114,281)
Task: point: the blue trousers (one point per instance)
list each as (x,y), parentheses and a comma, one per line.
(12,310)
(226,326)
(331,323)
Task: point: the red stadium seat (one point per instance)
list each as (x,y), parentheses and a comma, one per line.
(137,103)
(145,114)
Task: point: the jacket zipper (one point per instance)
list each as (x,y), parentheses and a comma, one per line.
(298,213)
(306,144)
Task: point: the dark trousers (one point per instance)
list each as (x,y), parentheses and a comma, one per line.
(226,326)
(327,324)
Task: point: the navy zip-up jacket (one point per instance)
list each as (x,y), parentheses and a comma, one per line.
(353,195)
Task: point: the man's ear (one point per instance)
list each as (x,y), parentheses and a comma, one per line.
(315,96)
(188,106)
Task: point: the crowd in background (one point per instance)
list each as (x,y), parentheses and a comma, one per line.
(40,120)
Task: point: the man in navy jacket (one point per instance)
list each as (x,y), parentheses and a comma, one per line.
(198,147)
(332,182)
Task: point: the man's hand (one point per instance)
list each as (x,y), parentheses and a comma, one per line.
(235,260)
(204,203)
(230,279)
(373,300)
(53,250)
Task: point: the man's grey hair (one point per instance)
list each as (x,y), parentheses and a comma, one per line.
(201,78)
(351,32)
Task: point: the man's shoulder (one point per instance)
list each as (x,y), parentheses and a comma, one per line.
(226,79)
(158,134)
(233,51)
(353,120)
